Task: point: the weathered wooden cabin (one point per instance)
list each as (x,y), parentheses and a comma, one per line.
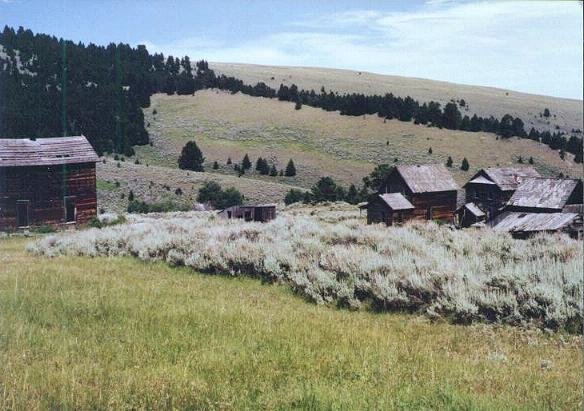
(430,189)
(390,208)
(469,214)
(524,225)
(47,181)
(491,188)
(261,212)
(546,195)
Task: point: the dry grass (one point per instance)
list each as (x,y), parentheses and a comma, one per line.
(485,101)
(322,143)
(81,333)
(158,184)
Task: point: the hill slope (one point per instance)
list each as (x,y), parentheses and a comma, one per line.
(484,101)
(320,142)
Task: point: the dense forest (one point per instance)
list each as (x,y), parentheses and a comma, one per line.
(51,87)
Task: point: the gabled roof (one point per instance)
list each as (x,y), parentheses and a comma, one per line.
(46,151)
(512,221)
(506,178)
(548,193)
(427,178)
(473,208)
(481,180)
(396,201)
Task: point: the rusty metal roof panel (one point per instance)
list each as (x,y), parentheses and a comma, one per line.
(427,178)
(46,151)
(396,201)
(513,221)
(548,193)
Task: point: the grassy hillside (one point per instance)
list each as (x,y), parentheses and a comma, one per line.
(485,101)
(321,143)
(152,183)
(118,333)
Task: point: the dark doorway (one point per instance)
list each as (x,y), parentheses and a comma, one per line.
(70,210)
(22,209)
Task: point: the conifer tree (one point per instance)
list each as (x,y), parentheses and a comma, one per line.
(191,158)
(215,165)
(290,169)
(449,162)
(464,166)
(273,171)
(245,163)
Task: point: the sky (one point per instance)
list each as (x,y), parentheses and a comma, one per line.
(528,46)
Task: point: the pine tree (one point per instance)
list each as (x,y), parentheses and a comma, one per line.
(131,196)
(352,196)
(228,160)
(464,166)
(273,171)
(245,163)
(259,164)
(449,162)
(290,169)
(191,158)
(215,165)
(531,160)
(520,160)
(562,154)
(430,150)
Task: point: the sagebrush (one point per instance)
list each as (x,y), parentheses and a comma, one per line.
(330,256)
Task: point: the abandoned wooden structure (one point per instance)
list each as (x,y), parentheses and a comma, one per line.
(546,195)
(469,214)
(491,188)
(388,208)
(429,189)
(261,212)
(47,181)
(524,225)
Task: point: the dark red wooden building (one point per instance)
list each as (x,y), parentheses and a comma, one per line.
(47,181)
(429,189)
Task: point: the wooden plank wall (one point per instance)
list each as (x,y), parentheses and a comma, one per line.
(443,205)
(45,187)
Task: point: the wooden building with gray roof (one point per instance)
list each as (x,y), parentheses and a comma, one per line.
(47,181)
(426,192)
(545,195)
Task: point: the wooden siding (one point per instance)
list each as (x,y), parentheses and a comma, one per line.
(488,197)
(45,189)
(379,212)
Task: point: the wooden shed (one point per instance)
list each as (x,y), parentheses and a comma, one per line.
(524,225)
(469,214)
(491,188)
(47,181)
(390,208)
(430,189)
(261,212)
(546,195)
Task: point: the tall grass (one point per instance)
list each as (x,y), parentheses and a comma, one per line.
(330,256)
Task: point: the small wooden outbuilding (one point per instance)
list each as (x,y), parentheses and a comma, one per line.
(47,181)
(388,208)
(469,214)
(429,188)
(261,212)
(524,225)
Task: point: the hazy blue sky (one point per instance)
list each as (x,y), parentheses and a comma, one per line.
(534,47)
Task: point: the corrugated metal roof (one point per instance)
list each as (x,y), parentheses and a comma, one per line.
(396,201)
(508,178)
(512,221)
(427,178)
(46,151)
(550,193)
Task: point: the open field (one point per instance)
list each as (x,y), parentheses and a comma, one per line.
(159,184)
(484,101)
(321,143)
(77,333)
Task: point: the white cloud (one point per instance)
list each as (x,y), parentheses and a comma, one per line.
(526,46)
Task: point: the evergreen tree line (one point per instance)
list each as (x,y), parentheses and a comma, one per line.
(51,87)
